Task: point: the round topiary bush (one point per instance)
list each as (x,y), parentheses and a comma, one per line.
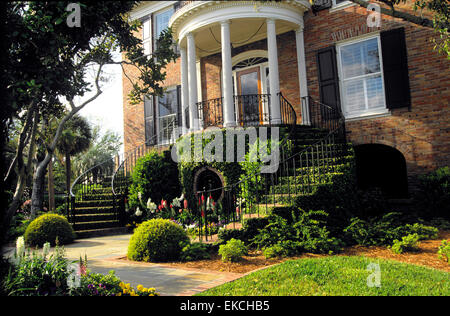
(157,240)
(48,228)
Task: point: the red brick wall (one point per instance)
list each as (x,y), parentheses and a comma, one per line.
(422,134)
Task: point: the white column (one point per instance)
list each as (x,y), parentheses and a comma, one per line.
(302,79)
(192,80)
(184,89)
(274,79)
(227,77)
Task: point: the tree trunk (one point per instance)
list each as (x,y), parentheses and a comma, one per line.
(68,173)
(51,188)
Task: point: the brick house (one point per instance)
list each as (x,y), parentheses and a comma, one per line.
(391,86)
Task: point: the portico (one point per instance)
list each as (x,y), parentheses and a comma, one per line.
(249,93)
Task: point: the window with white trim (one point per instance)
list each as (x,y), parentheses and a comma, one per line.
(161,22)
(168,109)
(147,36)
(361,77)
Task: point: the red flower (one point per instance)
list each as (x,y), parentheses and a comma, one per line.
(203,198)
(203,213)
(171,206)
(237,209)
(180,210)
(185,204)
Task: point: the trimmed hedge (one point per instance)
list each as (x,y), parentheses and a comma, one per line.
(48,228)
(157,240)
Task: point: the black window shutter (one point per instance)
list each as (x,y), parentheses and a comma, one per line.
(328,77)
(319,5)
(395,68)
(149,116)
(179,113)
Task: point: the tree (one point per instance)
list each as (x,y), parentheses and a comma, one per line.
(440,22)
(75,138)
(104,148)
(48,62)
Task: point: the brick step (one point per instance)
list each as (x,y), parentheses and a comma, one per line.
(95,203)
(94,210)
(95,217)
(95,225)
(101,232)
(92,197)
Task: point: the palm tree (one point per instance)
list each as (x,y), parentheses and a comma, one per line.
(75,138)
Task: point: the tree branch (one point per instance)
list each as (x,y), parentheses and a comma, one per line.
(398,14)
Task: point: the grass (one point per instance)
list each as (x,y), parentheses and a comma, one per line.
(337,275)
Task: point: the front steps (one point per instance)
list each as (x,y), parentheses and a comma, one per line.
(95,214)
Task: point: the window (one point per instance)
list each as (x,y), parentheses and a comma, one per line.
(161,23)
(147,36)
(361,78)
(168,110)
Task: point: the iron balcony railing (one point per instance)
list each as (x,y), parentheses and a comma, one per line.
(252,109)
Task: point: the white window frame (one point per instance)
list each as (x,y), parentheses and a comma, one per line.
(340,6)
(147,40)
(158,118)
(155,21)
(368,112)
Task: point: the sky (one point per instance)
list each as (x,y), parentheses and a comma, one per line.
(107,110)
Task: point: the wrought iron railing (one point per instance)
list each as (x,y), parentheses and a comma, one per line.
(210,112)
(253,109)
(109,179)
(297,173)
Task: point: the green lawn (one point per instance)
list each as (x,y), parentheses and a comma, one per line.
(337,276)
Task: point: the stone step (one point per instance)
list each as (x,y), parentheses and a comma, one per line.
(96,217)
(94,210)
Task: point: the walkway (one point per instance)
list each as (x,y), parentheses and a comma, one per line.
(108,253)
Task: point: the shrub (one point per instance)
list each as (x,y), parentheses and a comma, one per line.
(252,226)
(283,249)
(408,243)
(225,235)
(274,251)
(233,250)
(157,240)
(384,230)
(433,197)
(155,176)
(48,228)
(444,251)
(195,251)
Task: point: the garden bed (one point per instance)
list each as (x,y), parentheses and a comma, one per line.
(426,256)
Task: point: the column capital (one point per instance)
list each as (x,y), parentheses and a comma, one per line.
(189,35)
(225,22)
(270,21)
(299,29)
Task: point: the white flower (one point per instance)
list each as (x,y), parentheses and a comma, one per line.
(181,198)
(151,206)
(46,249)
(138,212)
(20,247)
(176,202)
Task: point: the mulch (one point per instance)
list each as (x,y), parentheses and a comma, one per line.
(426,256)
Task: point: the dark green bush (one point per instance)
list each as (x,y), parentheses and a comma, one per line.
(48,228)
(157,240)
(252,226)
(433,197)
(155,176)
(384,230)
(195,251)
(226,234)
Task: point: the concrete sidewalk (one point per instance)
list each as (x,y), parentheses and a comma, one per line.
(107,253)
